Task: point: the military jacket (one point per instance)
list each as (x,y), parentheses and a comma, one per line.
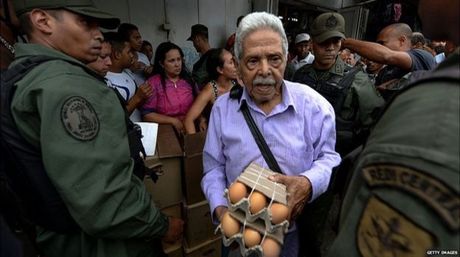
(79,126)
(362,99)
(403,199)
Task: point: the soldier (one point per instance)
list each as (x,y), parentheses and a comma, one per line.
(356,104)
(353,96)
(403,199)
(67,125)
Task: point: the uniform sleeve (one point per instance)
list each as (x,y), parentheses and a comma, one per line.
(79,126)
(369,100)
(213,183)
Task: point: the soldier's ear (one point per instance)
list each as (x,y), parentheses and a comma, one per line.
(41,21)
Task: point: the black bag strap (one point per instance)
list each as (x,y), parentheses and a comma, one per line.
(236,93)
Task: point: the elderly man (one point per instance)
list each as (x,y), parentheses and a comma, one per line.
(297,123)
(70,140)
(403,199)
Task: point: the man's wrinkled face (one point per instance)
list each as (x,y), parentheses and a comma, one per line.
(262,65)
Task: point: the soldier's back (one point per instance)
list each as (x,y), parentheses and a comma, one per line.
(403,199)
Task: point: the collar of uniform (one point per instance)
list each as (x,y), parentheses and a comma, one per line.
(286,100)
(24,50)
(339,67)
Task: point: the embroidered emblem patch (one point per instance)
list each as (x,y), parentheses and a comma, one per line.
(331,22)
(441,198)
(384,232)
(79,118)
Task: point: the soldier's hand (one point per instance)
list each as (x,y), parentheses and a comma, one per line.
(175,230)
(299,192)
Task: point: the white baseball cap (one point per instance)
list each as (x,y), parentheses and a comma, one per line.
(302,37)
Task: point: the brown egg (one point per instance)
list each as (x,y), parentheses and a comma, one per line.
(279,212)
(237,191)
(251,237)
(271,248)
(230,225)
(257,202)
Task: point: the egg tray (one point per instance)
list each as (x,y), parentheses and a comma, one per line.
(256,178)
(240,216)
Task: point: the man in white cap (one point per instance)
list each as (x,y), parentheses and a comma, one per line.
(303,50)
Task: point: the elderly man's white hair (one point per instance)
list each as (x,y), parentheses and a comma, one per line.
(255,21)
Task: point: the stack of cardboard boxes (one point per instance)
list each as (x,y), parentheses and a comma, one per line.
(178,192)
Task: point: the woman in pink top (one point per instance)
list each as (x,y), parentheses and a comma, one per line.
(173,88)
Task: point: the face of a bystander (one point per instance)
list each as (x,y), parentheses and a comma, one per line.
(228,69)
(135,40)
(262,65)
(303,49)
(172,63)
(103,62)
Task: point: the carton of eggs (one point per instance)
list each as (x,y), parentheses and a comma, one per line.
(257,213)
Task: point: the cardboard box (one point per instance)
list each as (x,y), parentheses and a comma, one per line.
(211,248)
(198,224)
(167,190)
(174,210)
(173,250)
(193,167)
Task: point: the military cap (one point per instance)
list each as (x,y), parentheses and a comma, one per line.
(198,29)
(328,25)
(82,7)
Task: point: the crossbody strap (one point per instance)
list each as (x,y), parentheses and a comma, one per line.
(260,140)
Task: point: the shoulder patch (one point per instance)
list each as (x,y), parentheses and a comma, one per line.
(440,197)
(384,232)
(79,118)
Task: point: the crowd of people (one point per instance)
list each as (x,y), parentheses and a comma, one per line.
(69,119)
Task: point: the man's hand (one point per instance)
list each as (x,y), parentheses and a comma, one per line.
(175,230)
(144,91)
(299,192)
(220,211)
(178,125)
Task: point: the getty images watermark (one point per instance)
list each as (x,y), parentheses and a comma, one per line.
(442,252)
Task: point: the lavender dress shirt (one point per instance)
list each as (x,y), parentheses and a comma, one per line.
(300,132)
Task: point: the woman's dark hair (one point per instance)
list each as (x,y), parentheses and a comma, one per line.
(215,60)
(160,56)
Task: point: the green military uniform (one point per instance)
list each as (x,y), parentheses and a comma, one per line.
(79,126)
(362,102)
(403,199)
(362,98)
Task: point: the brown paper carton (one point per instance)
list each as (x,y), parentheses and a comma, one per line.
(193,167)
(199,227)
